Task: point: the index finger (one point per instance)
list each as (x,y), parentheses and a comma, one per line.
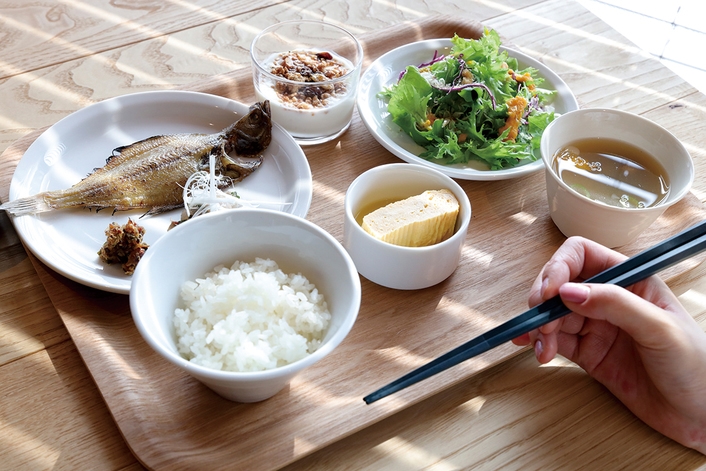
(576,260)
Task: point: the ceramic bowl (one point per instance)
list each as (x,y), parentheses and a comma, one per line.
(195,247)
(393,266)
(612,226)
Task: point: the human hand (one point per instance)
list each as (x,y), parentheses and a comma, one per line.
(639,342)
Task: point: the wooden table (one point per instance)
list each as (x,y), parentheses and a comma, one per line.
(58,57)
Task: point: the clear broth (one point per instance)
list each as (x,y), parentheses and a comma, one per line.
(612,172)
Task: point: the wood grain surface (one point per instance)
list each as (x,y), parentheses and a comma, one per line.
(509,415)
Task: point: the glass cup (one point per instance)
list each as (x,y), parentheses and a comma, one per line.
(309,71)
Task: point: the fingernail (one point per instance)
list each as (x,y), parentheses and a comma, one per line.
(574,292)
(543,288)
(538,348)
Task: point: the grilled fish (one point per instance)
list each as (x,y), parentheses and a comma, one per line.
(150,174)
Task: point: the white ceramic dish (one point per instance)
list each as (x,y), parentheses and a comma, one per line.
(577,215)
(297,245)
(385,72)
(68,240)
(394,266)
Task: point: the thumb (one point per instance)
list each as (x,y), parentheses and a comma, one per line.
(639,318)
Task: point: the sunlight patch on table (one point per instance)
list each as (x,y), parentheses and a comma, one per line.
(85,52)
(42,35)
(610,78)
(479,257)
(524,218)
(695,151)
(560,362)
(112,358)
(397,6)
(140,77)
(302,447)
(35,82)
(473,406)
(135,26)
(316,15)
(107,16)
(403,356)
(695,302)
(331,194)
(190,5)
(523,13)
(7,123)
(701,195)
(549,59)
(13,337)
(19,445)
(694,297)
(410,456)
(10,68)
(464,313)
(46,89)
(316,391)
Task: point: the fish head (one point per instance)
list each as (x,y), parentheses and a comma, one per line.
(251,134)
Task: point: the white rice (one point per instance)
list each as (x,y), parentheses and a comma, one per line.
(249,317)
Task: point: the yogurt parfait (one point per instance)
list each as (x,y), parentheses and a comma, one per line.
(309,72)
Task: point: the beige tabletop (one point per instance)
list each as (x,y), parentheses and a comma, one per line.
(58,57)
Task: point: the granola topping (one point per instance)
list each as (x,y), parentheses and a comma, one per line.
(309,67)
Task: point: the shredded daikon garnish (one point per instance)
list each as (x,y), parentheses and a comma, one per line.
(202,195)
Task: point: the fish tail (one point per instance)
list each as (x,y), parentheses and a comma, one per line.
(29,205)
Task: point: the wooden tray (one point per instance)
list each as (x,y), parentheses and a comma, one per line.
(170,421)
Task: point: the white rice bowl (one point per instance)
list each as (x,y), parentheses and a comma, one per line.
(249,317)
(195,247)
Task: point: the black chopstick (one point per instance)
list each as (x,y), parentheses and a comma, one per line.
(647,263)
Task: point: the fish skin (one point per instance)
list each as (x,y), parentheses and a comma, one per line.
(150,174)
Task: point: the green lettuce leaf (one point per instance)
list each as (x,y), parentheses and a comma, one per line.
(456,107)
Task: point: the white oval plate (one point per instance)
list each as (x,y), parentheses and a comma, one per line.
(385,71)
(68,240)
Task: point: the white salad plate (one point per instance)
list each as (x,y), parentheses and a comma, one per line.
(68,240)
(385,71)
